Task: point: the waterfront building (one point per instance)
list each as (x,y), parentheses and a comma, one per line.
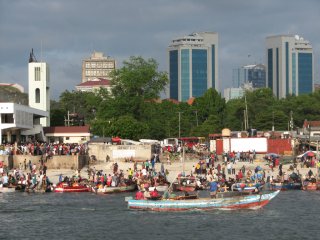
(254,74)
(289,65)
(193,65)
(97,66)
(20,122)
(67,134)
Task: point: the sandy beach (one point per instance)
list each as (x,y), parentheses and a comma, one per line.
(174,168)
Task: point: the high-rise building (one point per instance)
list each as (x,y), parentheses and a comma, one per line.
(97,66)
(39,87)
(254,74)
(289,65)
(193,65)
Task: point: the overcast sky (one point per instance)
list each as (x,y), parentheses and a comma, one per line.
(70,30)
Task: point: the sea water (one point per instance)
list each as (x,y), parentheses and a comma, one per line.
(291,215)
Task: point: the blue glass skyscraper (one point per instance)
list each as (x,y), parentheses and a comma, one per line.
(289,65)
(193,65)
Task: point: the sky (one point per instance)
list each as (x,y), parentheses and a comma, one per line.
(64,32)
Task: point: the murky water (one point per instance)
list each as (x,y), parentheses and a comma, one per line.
(291,215)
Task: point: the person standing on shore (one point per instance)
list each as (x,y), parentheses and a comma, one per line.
(25,164)
(213,188)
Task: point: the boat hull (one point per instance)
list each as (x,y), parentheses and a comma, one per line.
(7,189)
(252,201)
(285,186)
(108,190)
(311,186)
(184,188)
(72,189)
(160,188)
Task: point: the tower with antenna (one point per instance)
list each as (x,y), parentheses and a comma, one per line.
(39,87)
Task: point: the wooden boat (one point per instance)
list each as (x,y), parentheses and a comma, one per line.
(244,187)
(160,188)
(105,190)
(184,187)
(75,187)
(7,189)
(232,202)
(311,185)
(285,186)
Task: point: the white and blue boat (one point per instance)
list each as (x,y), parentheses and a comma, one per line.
(229,200)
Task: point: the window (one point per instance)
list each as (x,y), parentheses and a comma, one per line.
(37,95)
(37,73)
(67,138)
(7,118)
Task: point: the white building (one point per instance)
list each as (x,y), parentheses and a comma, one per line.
(39,88)
(290,68)
(20,122)
(234,93)
(193,65)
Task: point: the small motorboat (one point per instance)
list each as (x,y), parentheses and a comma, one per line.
(106,189)
(75,187)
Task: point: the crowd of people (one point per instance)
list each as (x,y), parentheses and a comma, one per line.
(25,178)
(46,149)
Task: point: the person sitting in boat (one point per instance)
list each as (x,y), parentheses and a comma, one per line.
(155,194)
(146,194)
(139,195)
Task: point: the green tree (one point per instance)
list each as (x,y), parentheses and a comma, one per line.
(211,103)
(136,82)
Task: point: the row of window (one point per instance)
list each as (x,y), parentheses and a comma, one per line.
(100,65)
(97,72)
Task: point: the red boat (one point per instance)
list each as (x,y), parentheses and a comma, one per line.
(75,187)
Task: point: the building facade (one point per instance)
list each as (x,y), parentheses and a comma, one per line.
(289,65)
(254,74)
(239,92)
(97,66)
(39,88)
(193,65)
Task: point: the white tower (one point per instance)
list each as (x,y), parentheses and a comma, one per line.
(39,87)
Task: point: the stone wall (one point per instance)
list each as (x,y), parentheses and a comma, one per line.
(100,151)
(56,162)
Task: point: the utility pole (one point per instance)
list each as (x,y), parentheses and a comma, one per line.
(179,122)
(272,120)
(247,119)
(196,111)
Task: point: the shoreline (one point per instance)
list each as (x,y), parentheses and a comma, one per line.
(175,168)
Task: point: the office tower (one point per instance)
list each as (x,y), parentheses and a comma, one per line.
(97,66)
(289,65)
(39,87)
(193,65)
(255,74)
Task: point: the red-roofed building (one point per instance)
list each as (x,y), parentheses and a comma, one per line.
(94,85)
(311,128)
(71,134)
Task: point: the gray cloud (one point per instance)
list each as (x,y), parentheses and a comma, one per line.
(69,31)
